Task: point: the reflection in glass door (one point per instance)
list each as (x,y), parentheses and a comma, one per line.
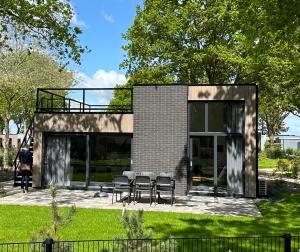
(208,166)
(202,162)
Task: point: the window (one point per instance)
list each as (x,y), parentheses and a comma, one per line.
(216,116)
(110,156)
(197,116)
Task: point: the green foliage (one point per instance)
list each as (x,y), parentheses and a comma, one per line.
(57,221)
(266,163)
(273,151)
(220,42)
(122,98)
(46,24)
(283,165)
(20,76)
(289,151)
(133,224)
(295,167)
(11,157)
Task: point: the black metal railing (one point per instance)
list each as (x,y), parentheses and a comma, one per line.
(285,243)
(84,100)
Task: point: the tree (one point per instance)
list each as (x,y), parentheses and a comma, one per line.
(46,23)
(1,125)
(184,41)
(219,41)
(20,75)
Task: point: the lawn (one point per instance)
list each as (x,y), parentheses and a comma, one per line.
(20,223)
(266,163)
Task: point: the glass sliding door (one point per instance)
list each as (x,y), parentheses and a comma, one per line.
(202,163)
(221,176)
(216,146)
(78,153)
(110,156)
(86,159)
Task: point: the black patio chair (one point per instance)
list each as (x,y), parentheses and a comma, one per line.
(164,184)
(143,184)
(130,174)
(121,184)
(149,174)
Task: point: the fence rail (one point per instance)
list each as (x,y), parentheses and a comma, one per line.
(84,100)
(285,243)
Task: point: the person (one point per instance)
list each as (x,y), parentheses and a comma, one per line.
(25,158)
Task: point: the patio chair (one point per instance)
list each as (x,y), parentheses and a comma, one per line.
(143,184)
(149,174)
(167,174)
(130,174)
(121,184)
(164,184)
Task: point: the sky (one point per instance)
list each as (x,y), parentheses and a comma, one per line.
(102,23)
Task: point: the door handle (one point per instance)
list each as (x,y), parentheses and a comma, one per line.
(191,163)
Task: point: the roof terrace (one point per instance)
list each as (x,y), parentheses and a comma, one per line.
(84,100)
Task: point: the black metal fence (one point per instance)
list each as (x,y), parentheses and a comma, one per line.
(84,100)
(285,243)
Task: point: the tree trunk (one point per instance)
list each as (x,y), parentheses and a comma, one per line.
(6,143)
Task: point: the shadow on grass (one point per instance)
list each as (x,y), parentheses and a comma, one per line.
(278,218)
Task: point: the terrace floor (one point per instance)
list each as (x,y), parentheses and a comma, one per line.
(183,204)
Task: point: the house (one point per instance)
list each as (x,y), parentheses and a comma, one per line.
(14,140)
(288,141)
(205,135)
(285,141)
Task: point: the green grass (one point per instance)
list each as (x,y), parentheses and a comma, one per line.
(20,223)
(266,163)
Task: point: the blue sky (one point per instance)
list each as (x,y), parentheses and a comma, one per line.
(103,22)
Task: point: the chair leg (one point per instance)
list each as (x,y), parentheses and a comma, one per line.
(134,194)
(150,192)
(112,198)
(129,194)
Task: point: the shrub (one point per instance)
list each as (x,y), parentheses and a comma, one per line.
(12,152)
(289,151)
(273,151)
(133,224)
(283,165)
(297,152)
(295,167)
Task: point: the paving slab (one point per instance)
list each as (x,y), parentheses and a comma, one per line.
(184,204)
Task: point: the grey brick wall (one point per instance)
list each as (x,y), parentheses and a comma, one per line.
(160,131)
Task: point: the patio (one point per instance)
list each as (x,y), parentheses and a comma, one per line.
(183,204)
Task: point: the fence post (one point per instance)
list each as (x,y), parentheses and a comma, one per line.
(287,242)
(48,245)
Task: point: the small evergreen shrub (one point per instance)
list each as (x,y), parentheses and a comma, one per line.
(289,152)
(138,237)
(283,165)
(273,151)
(295,167)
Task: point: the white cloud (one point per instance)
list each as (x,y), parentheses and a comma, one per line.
(108,17)
(100,79)
(77,22)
